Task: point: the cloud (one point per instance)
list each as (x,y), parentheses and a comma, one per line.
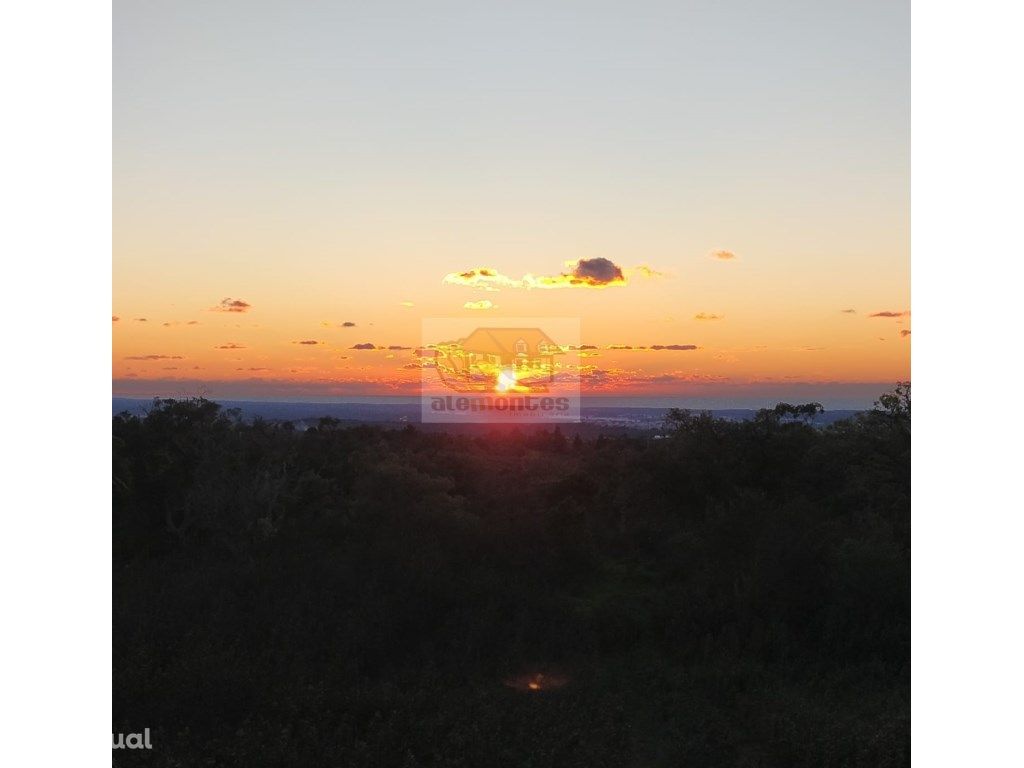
(722,255)
(348,324)
(407,304)
(584,273)
(388,348)
(140,320)
(599,271)
(232,305)
(644,271)
(656,347)
(230,345)
(307,342)
(482,304)
(889,313)
(707,316)
(114,319)
(904,333)
(154,357)
(848,311)
(482,277)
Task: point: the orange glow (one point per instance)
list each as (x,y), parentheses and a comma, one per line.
(537,681)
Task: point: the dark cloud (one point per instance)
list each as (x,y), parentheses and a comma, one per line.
(154,357)
(848,311)
(307,342)
(114,319)
(599,271)
(397,347)
(230,345)
(365,345)
(141,320)
(232,305)
(348,324)
(889,313)
(904,333)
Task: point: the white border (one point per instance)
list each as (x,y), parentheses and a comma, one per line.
(968,634)
(55,240)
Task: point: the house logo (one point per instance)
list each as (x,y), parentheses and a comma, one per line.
(523,369)
(498,360)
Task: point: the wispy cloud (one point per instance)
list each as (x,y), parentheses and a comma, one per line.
(308,342)
(848,311)
(890,313)
(482,304)
(232,305)
(655,347)
(155,357)
(722,255)
(230,345)
(644,271)
(708,316)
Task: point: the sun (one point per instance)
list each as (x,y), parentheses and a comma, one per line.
(506,380)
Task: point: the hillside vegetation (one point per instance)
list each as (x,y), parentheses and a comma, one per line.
(736,594)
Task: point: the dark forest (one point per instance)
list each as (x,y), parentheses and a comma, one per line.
(719,594)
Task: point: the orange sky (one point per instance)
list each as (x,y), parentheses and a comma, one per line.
(746,330)
(331,165)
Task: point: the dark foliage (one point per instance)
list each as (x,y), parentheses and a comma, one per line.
(733,594)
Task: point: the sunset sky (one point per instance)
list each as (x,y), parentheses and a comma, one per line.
(730,179)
